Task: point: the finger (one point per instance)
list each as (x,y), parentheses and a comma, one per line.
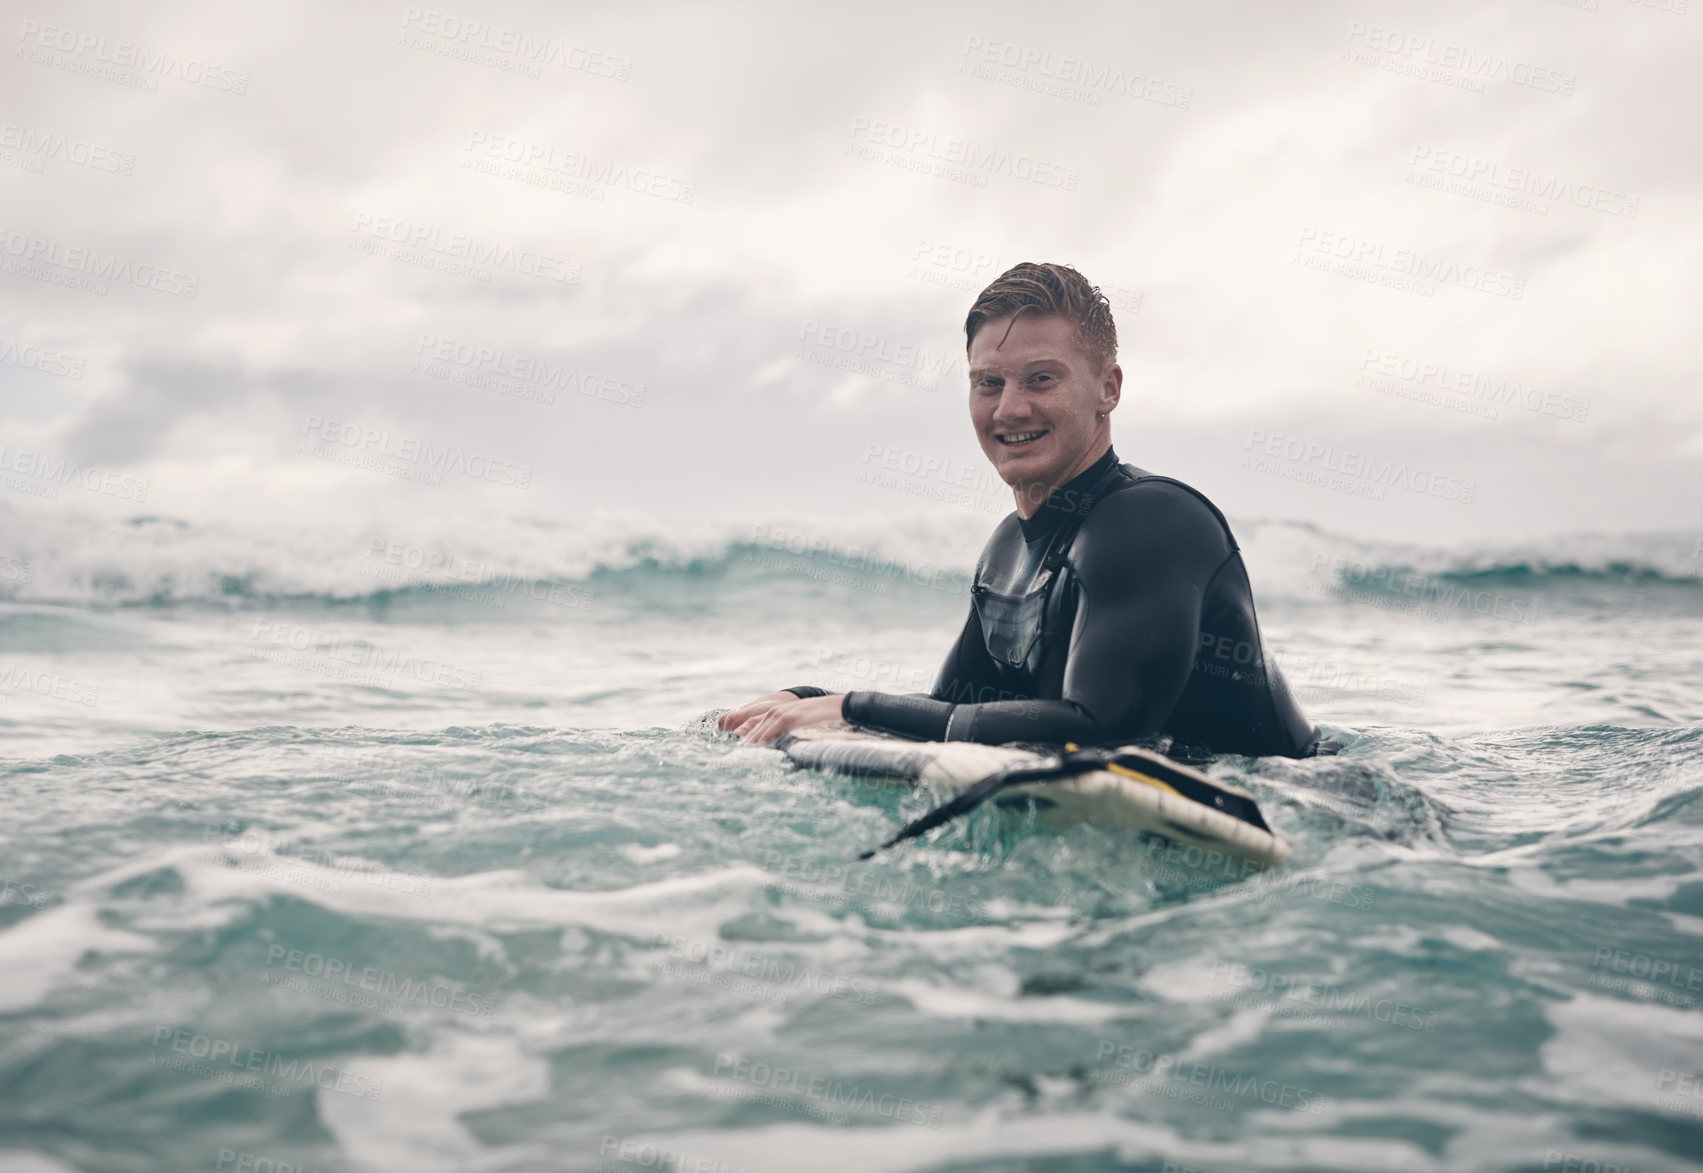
(764,731)
(739,715)
(743,711)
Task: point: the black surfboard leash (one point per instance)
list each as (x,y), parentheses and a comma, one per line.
(1065,765)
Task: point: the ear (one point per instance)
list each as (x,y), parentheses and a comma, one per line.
(1111,388)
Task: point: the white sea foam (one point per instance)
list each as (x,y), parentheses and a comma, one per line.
(38,954)
(67,557)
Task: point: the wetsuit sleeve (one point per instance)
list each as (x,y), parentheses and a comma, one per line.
(968,667)
(1143,561)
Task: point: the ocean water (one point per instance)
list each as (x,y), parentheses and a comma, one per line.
(384,849)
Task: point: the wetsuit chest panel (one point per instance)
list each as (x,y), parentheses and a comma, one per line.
(1014,608)
(1012,624)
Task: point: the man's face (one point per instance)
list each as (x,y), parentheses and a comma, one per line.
(1034,397)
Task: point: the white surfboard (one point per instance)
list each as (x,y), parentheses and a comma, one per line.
(1153,795)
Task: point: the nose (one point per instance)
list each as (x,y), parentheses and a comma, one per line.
(1013,406)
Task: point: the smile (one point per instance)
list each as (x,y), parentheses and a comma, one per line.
(1016,439)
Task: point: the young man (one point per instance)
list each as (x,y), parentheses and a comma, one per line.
(1113,605)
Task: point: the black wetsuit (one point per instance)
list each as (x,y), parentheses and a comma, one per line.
(1119,612)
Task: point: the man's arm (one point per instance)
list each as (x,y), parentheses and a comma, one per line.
(1144,559)
(916,714)
(966,663)
(967,668)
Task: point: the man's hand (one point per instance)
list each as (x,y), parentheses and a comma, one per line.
(785,717)
(734,718)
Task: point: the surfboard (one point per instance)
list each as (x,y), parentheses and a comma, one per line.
(1148,794)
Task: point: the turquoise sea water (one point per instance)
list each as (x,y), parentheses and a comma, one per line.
(368,851)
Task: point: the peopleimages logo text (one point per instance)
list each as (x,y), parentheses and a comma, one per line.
(93,263)
(1461,58)
(516,43)
(1525,180)
(37,358)
(1409,262)
(241,1058)
(578,166)
(383,983)
(125,55)
(381,442)
(466,247)
(60,471)
(1077,71)
(46,145)
(963,152)
(1374,470)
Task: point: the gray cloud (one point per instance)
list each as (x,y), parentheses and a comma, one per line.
(323,211)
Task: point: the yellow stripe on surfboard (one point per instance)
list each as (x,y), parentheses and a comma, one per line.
(1129,773)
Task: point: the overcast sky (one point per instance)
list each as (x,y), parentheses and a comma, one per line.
(1409,270)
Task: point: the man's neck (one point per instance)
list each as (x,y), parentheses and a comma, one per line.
(1030,498)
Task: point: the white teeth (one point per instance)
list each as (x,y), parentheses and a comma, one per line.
(1019,437)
